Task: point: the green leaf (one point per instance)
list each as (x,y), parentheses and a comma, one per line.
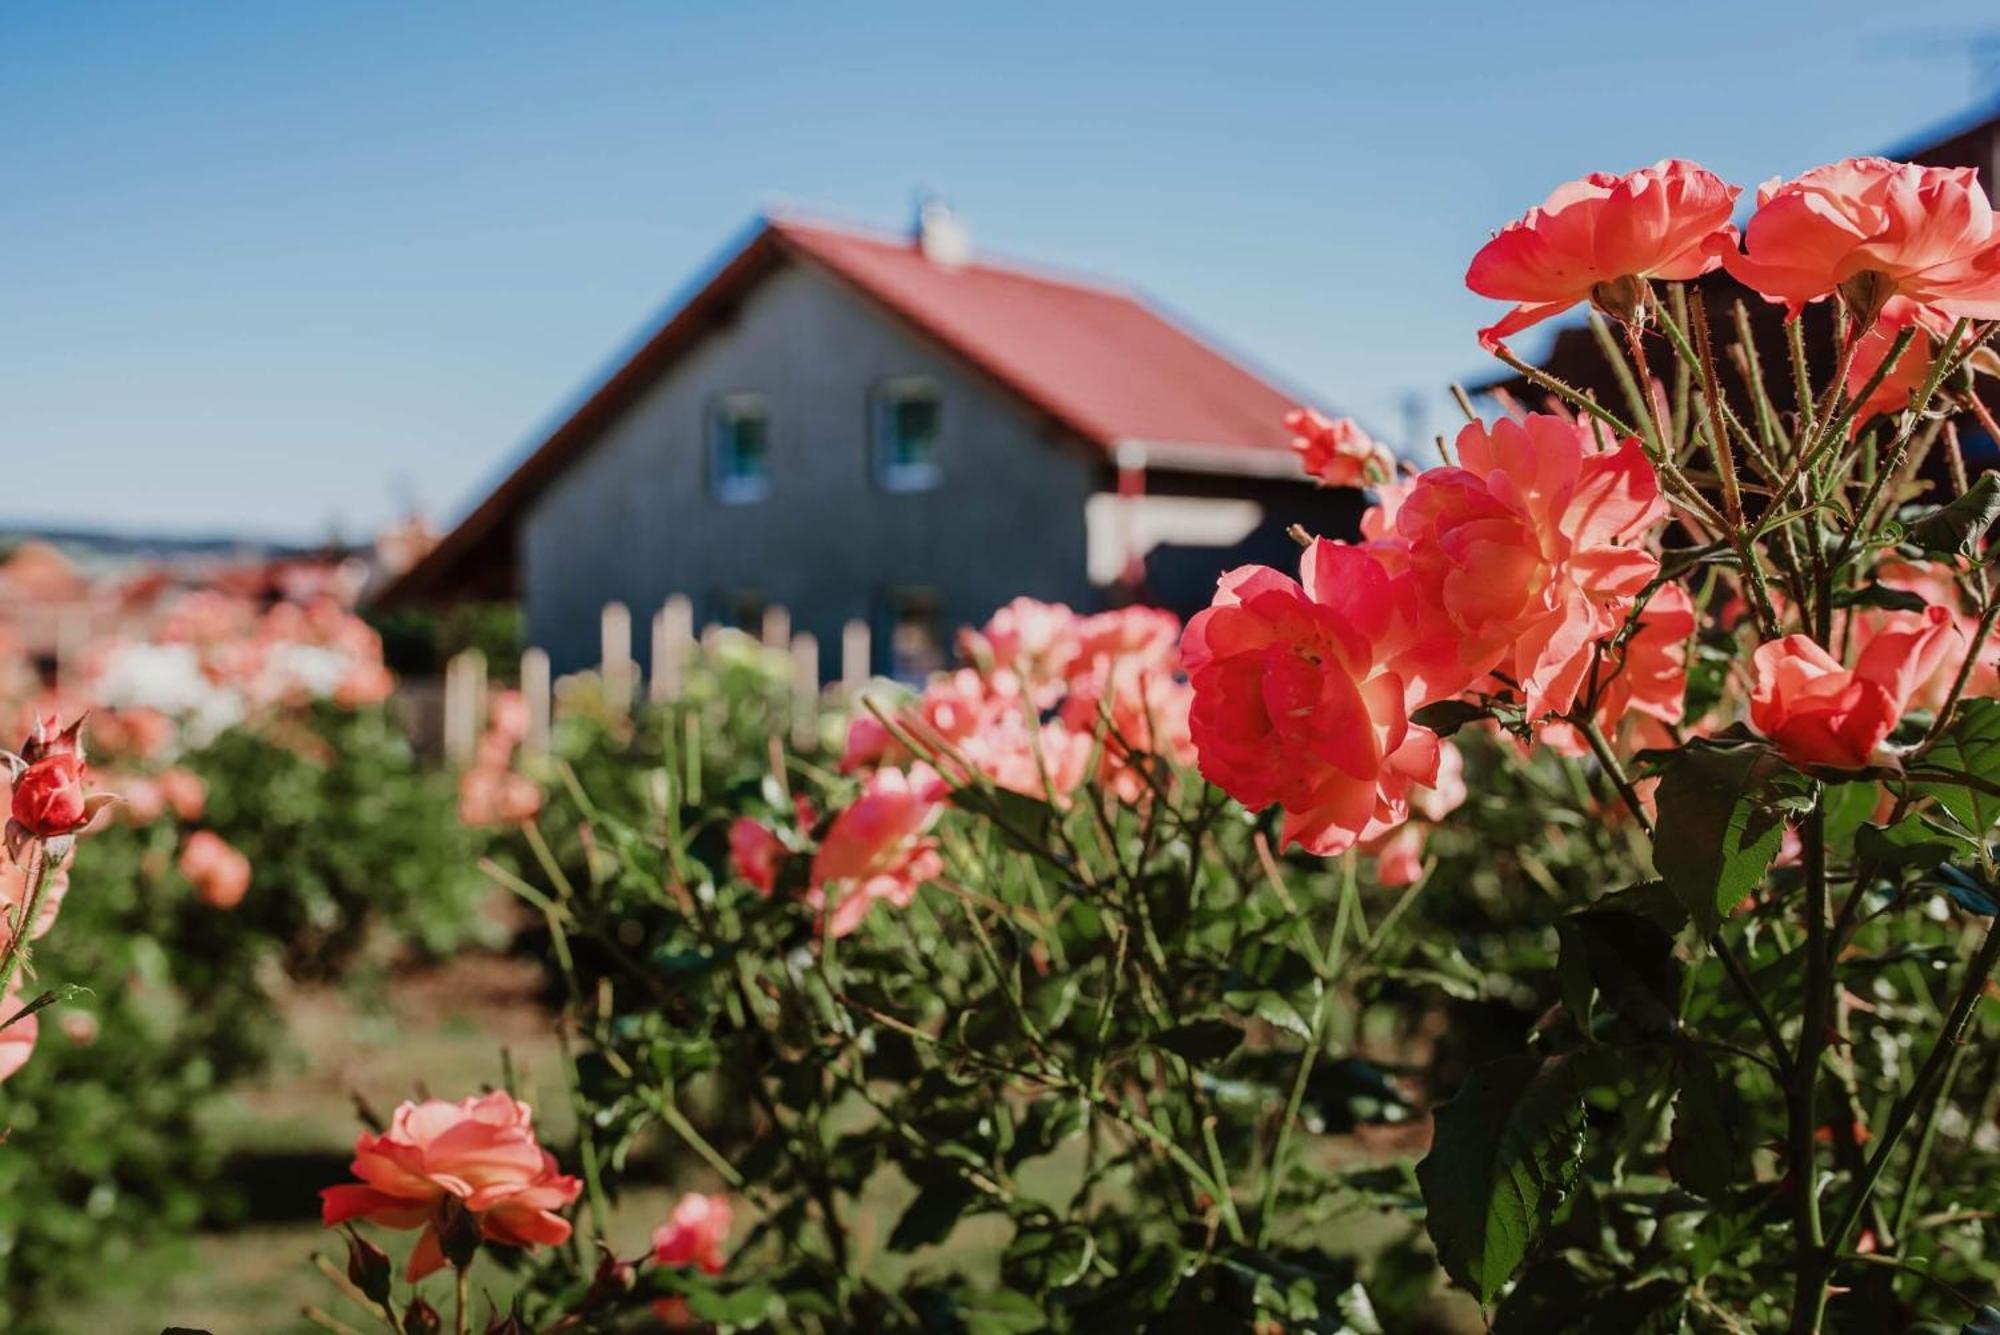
(1848,806)
(930,1218)
(1722,809)
(1968,750)
(1955,529)
(1047,1123)
(1880,595)
(1503,1156)
(1203,1042)
(734,1307)
(1704,1154)
(1629,958)
(1047,1255)
(1911,843)
(1447,716)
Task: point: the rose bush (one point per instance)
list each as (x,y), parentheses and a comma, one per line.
(271,818)
(1114,980)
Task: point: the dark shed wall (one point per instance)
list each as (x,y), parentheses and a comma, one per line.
(1182,579)
(634,519)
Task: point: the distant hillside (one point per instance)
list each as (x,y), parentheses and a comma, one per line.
(91,547)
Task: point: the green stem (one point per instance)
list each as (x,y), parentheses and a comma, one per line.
(15,954)
(1906,1199)
(1809,1291)
(1928,1075)
(1321,1016)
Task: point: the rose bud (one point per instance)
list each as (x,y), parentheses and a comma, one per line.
(367,1267)
(614,1279)
(420,1318)
(49,801)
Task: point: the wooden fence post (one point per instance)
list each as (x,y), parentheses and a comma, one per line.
(615,657)
(673,636)
(854,661)
(464,704)
(777,627)
(805,691)
(535,693)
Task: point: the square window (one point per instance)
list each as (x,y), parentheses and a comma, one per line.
(740,447)
(908,421)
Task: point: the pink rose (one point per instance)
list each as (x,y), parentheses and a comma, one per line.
(479,1155)
(220,874)
(1599,239)
(1820,713)
(1294,701)
(1522,558)
(1338,452)
(876,848)
(1874,229)
(694,1234)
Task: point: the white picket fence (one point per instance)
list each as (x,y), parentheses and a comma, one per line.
(462,717)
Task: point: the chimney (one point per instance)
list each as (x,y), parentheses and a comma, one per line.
(940,236)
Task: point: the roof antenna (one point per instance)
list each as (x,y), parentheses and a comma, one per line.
(938,233)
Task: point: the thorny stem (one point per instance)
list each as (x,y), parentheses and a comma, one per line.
(1607,760)
(1965,670)
(1929,1075)
(15,953)
(1731,963)
(1568,393)
(1809,1292)
(1321,1014)
(1913,1176)
(1862,512)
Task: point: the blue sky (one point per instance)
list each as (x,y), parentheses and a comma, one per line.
(285,269)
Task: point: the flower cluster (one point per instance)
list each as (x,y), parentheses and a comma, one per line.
(1508,571)
(492,791)
(1043,685)
(1527,572)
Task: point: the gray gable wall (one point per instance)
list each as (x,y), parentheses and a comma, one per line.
(634,518)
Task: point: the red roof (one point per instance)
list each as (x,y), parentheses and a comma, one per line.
(1094,358)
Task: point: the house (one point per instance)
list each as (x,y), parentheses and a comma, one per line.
(1575,358)
(855,425)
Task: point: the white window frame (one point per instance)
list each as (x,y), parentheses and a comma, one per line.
(723,414)
(925,476)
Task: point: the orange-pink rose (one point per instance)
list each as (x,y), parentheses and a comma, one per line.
(755,852)
(1600,238)
(1874,229)
(1820,713)
(1399,854)
(1294,702)
(1522,558)
(694,1234)
(877,847)
(490,794)
(184,792)
(219,873)
(1337,452)
(479,1155)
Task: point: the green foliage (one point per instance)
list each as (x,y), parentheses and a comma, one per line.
(112,1152)
(1723,807)
(1959,527)
(1506,1151)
